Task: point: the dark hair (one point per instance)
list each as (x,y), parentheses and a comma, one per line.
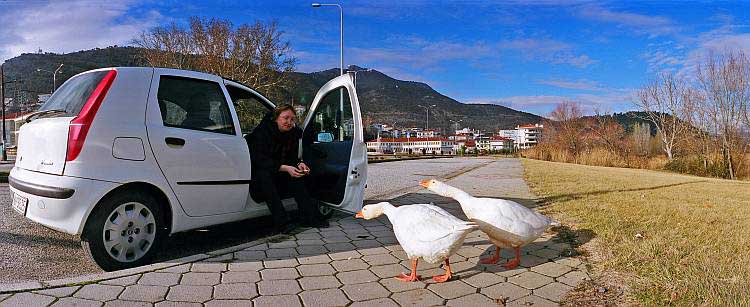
(281,109)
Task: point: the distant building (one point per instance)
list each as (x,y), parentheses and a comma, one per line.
(413,146)
(500,143)
(528,135)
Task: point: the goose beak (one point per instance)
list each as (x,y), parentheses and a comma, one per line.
(359,215)
(425,183)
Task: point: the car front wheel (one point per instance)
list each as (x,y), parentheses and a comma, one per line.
(124,231)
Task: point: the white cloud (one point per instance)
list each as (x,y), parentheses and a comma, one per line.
(581,84)
(618,100)
(66,26)
(641,24)
(547,50)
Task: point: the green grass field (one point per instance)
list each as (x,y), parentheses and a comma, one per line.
(695,244)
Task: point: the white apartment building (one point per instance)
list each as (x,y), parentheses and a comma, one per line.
(413,146)
(528,136)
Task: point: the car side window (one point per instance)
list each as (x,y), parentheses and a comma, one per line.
(250,109)
(332,120)
(194,104)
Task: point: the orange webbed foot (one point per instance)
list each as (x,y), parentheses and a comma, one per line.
(512,264)
(441,278)
(408,278)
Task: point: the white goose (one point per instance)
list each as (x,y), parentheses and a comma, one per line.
(508,224)
(424,231)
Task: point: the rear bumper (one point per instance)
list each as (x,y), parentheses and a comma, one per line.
(40,190)
(59,202)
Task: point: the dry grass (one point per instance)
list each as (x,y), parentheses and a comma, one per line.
(695,245)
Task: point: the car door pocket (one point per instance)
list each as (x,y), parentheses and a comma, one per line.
(174,141)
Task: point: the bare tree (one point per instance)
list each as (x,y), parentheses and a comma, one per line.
(253,54)
(725,84)
(568,127)
(664,103)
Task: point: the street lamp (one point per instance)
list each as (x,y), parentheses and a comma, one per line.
(427,108)
(341,58)
(54,76)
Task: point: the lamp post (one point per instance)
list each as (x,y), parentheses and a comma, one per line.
(54,76)
(427,108)
(341,58)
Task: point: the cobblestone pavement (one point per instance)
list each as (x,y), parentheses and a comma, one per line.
(351,263)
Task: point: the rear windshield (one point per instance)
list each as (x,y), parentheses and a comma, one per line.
(72,95)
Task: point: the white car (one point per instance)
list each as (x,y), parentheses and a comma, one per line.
(124,157)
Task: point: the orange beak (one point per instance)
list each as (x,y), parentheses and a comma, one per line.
(425,183)
(359,215)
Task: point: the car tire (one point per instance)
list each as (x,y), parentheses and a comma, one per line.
(124,231)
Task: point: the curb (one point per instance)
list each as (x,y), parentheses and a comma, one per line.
(94,278)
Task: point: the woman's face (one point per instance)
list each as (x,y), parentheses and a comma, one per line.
(286,120)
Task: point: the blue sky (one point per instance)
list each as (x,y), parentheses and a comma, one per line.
(525,55)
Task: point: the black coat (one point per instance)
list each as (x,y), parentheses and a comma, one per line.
(270,148)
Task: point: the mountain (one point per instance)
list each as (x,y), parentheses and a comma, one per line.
(383,99)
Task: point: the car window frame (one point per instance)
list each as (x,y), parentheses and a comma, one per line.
(222,90)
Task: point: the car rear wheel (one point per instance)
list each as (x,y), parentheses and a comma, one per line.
(124,231)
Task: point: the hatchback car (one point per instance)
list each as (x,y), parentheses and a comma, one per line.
(125,157)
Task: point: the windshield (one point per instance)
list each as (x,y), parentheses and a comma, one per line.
(74,93)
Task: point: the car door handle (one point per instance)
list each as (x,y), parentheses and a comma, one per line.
(174,141)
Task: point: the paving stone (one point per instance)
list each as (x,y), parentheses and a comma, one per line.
(282,253)
(345,255)
(307,236)
(257,247)
(277,301)
(310,242)
(356,277)
(469,251)
(464,268)
(571,262)
(246,255)
(312,250)
(27,299)
(122,281)
(151,294)
(177,304)
(483,279)
(365,291)
(475,299)
(387,240)
(545,253)
(553,292)
(452,289)
(316,269)
(123,303)
(200,279)
(182,268)
(327,297)
(159,279)
(283,244)
(208,267)
(239,277)
(559,246)
(531,260)
(389,270)
(197,294)
(530,280)
(400,255)
(551,269)
(278,287)
(57,292)
(238,291)
(340,247)
(319,282)
(394,248)
(332,233)
(373,250)
(99,292)
(349,265)
(77,302)
(531,247)
(283,273)
(505,290)
(367,244)
(228,303)
(532,300)
(573,278)
(339,239)
(246,266)
(280,263)
(418,297)
(395,285)
(380,259)
(222,258)
(381,302)
(314,259)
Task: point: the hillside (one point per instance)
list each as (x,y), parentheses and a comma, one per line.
(383,99)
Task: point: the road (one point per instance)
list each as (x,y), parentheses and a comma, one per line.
(33,252)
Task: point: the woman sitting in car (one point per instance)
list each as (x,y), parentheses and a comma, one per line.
(276,169)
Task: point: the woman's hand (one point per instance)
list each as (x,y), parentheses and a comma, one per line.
(292,171)
(303,167)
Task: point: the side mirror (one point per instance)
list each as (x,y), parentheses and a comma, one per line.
(325,137)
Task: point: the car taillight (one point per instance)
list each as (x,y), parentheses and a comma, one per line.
(80,125)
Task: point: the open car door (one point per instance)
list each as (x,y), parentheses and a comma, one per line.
(333,146)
